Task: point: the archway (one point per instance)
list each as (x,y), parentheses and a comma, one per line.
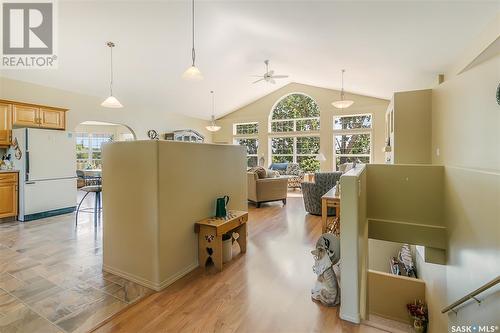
(89,137)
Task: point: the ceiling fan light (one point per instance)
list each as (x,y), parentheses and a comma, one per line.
(193,74)
(112,102)
(342,104)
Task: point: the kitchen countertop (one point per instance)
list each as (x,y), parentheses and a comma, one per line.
(8,171)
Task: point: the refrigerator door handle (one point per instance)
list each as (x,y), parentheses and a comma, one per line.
(27,165)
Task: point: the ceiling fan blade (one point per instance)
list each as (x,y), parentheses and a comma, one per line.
(256,76)
(258,80)
(280,76)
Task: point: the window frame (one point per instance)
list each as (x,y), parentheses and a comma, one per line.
(255,136)
(294,120)
(235,126)
(294,149)
(294,133)
(90,149)
(337,132)
(235,142)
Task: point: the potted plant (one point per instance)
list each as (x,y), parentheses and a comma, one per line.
(419,315)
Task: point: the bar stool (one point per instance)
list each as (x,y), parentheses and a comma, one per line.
(97,189)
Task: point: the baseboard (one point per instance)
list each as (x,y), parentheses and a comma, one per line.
(149,284)
(50,213)
(177,276)
(137,279)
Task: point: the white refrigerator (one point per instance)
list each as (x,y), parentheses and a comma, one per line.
(47,176)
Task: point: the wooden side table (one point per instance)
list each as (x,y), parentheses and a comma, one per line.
(210,231)
(329,199)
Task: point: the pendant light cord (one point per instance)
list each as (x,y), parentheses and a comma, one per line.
(111,81)
(213,108)
(342,89)
(193,52)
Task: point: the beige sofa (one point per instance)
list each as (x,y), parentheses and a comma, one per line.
(266,189)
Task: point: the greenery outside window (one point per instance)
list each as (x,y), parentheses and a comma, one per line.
(245,134)
(295,113)
(296,149)
(246,129)
(294,127)
(252,145)
(88,149)
(352,139)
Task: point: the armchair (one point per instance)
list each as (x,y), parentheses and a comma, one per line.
(266,189)
(312,192)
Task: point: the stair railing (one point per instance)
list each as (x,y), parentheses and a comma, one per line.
(472,295)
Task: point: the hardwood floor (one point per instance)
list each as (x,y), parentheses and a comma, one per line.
(265,290)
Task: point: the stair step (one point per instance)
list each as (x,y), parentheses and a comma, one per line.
(387,325)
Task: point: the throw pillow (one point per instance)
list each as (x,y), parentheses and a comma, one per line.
(293,169)
(260,171)
(280,167)
(272,174)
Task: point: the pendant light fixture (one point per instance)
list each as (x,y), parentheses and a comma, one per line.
(193,73)
(213,127)
(343,103)
(111,101)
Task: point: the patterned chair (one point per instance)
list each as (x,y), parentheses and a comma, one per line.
(292,170)
(312,192)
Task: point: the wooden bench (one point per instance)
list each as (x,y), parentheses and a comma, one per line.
(210,231)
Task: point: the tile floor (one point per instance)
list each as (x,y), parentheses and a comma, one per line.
(51,278)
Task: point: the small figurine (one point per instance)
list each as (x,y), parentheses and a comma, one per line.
(327,256)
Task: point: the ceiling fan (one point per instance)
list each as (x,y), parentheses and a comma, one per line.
(269,75)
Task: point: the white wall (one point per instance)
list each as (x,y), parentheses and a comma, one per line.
(466,123)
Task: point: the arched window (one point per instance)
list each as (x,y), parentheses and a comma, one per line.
(294,131)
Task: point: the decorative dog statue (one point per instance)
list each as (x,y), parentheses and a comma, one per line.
(326,255)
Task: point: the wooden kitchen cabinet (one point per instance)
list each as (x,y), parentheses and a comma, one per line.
(5,124)
(52,118)
(17,114)
(8,194)
(25,116)
(5,138)
(5,116)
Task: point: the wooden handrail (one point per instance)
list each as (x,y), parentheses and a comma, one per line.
(472,294)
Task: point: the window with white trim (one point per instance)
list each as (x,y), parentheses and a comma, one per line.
(88,149)
(252,146)
(352,136)
(294,127)
(245,134)
(246,129)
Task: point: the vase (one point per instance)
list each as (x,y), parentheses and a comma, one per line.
(419,329)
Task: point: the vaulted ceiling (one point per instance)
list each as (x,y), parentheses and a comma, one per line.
(384,47)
